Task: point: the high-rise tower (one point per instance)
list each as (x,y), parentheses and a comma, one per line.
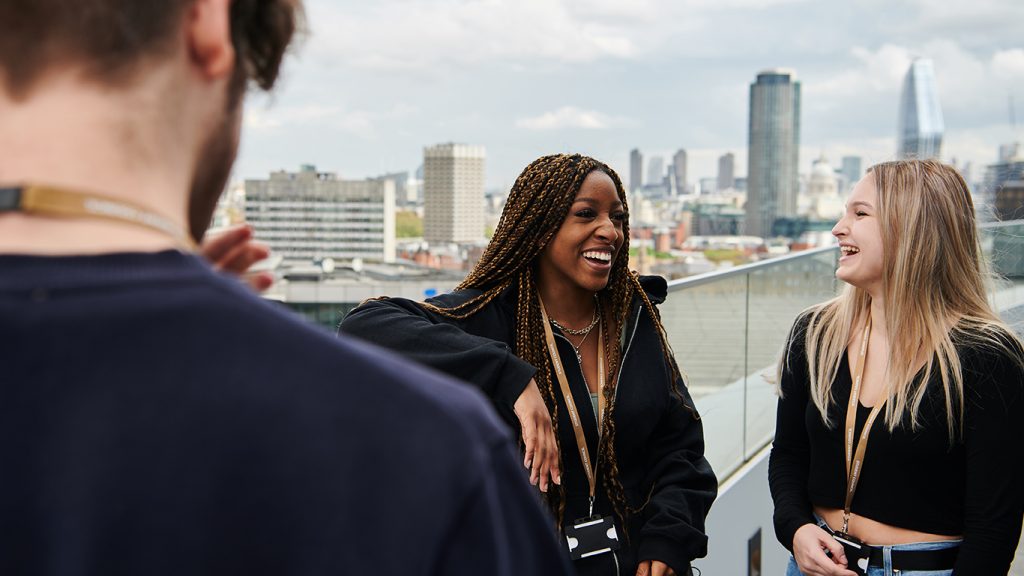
(920,119)
(453,193)
(679,166)
(773,151)
(726,171)
(636,170)
(655,170)
(852,170)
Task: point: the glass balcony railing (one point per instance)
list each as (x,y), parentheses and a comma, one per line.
(727,330)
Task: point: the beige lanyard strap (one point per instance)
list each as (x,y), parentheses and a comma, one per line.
(570,404)
(48,201)
(855,460)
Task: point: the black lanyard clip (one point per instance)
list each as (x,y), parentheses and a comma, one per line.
(10,199)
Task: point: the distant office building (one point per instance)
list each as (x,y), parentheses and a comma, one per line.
(1002,182)
(679,169)
(1008,152)
(405,188)
(920,119)
(717,220)
(453,193)
(774,148)
(1009,201)
(707,186)
(726,171)
(656,170)
(851,169)
(309,215)
(740,184)
(636,170)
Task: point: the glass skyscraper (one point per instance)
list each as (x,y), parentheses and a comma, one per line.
(920,120)
(774,150)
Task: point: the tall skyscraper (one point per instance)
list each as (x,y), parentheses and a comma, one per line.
(636,170)
(679,166)
(655,170)
(852,170)
(453,193)
(920,120)
(309,214)
(726,171)
(773,150)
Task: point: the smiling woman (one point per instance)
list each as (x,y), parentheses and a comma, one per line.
(550,323)
(913,342)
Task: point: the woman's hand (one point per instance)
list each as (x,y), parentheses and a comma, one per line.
(234,251)
(809,545)
(538,436)
(654,568)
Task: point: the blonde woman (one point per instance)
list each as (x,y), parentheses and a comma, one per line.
(900,435)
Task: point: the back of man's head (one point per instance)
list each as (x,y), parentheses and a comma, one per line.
(138,99)
(110,39)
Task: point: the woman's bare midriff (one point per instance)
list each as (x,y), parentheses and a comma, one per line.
(876,533)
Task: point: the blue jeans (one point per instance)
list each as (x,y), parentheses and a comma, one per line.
(887,570)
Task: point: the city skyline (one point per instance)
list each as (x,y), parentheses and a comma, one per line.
(375,83)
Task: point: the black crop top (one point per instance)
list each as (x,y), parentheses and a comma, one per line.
(914,479)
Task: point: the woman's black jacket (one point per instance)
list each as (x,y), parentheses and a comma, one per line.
(659,441)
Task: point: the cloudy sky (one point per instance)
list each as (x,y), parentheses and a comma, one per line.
(377,80)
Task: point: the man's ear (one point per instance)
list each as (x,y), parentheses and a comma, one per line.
(208,34)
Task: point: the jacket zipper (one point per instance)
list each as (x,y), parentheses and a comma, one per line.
(629,344)
(622,362)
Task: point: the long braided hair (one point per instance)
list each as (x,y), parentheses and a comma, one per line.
(536,207)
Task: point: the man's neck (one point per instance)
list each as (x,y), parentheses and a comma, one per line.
(78,137)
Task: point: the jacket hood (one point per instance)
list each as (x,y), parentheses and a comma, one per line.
(656,288)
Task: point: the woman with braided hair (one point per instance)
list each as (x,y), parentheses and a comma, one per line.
(569,346)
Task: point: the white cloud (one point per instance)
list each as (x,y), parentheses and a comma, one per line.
(362,123)
(880,70)
(269,117)
(568,117)
(421,35)
(1009,64)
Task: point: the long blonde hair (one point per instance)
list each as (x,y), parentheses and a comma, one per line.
(934,278)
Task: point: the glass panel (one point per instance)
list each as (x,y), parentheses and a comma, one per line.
(706,326)
(1003,244)
(778,293)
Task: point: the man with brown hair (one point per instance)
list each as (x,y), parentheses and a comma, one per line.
(156,418)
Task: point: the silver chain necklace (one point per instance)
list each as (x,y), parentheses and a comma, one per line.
(582,331)
(585,332)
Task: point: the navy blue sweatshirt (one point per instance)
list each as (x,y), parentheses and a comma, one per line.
(156,418)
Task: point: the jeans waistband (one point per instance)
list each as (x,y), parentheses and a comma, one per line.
(939,555)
